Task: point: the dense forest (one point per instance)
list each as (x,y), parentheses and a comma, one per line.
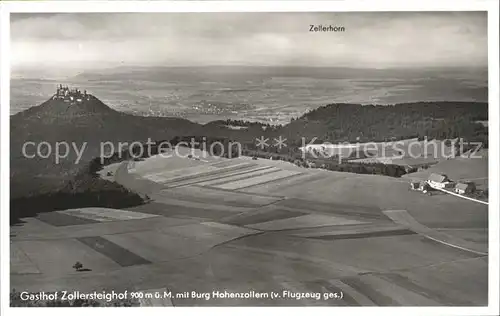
(83,191)
(343,122)
(367,123)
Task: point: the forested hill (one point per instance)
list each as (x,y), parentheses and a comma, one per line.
(92,123)
(354,122)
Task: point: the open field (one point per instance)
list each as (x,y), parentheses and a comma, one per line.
(269,177)
(157,246)
(89,215)
(241,176)
(160,161)
(28,231)
(56,257)
(105,215)
(20,263)
(118,254)
(305,221)
(241,225)
(187,177)
(62,219)
(404,219)
(216,196)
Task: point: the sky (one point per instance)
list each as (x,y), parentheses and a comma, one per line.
(370,40)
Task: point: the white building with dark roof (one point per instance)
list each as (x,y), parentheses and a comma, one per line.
(463,188)
(439,181)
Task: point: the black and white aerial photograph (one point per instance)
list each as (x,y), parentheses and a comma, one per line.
(250,159)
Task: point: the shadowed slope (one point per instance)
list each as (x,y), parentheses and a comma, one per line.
(84,126)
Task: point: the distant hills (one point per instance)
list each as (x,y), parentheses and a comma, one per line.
(240,72)
(351,123)
(93,122)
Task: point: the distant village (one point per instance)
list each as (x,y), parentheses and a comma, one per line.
(72,96)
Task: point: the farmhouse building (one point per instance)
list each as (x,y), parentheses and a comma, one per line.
(420,186)
(439,181)
(462,188)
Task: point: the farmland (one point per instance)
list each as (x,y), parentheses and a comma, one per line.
(242,224)
(474,169)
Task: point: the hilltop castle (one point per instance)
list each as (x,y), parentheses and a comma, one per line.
(71,96)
